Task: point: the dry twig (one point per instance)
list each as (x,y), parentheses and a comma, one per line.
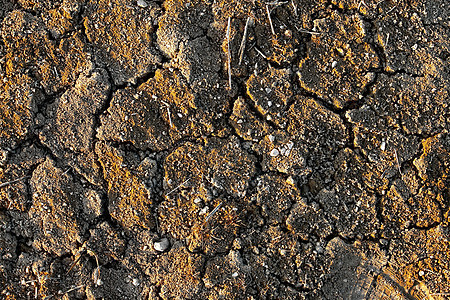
(13,181)
(213,212)
(270,20)
(229,52)
(244,39)
(168,113)
(180,185)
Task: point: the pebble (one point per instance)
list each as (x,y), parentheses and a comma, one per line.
(162,245)
(290,180)
(136,282)
(274,152)
(142,3)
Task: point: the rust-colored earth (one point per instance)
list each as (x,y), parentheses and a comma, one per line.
(241,149)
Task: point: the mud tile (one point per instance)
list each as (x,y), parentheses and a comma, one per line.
(221,165)
(276,197)
(351,204)
(40,5)
(199,180)
(418,105)
(15,196)
(70,129)
(434,163)
(403,209)
(369,9)
(339,59)
(387,148)
(271,92)
(305,220)
(313,134)
(130,201)
(154,116)
(55,64)
(246,124)
(140,252)
(62,18)
(277,257)
(106,243)
(182,36)
(18,102)
(92,204)
(198,59)
(410,45)
(283,153)
(123,37)
(56,210)
(417,255)
(233,278)
(179,265)
(183,20)
(319,128)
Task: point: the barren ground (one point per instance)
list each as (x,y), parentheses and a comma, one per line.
(131,167)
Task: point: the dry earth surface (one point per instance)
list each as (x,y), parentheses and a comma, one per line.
(130,169)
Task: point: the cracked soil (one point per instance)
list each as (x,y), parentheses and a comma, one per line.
(212,149)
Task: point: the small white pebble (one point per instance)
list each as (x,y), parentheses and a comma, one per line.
(197,200)
(274,152)
(290,180)
(235,274)
(239,121)
(162,245)
(204,210)
(99,282)
(334,64)
(268,90)
(136,282)
(142,3)
(269,103)
(180,115)
(421,273)
(271,138)
(383,146)
(268,117)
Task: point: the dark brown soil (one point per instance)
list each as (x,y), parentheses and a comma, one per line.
(133,167)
